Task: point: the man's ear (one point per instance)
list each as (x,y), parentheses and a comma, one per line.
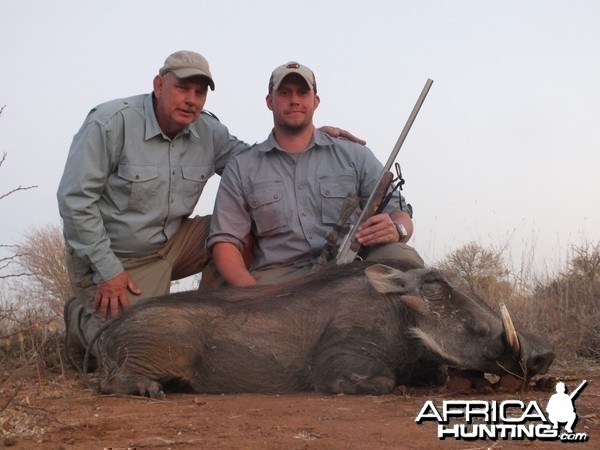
(269,101)
(158,84)
(317,101)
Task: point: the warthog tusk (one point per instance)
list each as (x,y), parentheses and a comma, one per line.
(512,339)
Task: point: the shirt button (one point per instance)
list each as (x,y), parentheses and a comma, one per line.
(276,197)
(173,173)
(303,214)
(137,177)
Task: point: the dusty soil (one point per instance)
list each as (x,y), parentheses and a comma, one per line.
(57,411)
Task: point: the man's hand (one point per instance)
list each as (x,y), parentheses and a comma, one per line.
(338,132)
(113,294)
(377,229)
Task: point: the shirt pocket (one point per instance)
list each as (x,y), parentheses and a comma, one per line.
(143,184)
(266,207)
(334,191)
(194,179)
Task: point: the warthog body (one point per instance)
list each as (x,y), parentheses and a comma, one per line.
(358,328)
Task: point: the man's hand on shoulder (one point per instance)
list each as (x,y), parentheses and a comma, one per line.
(338,132)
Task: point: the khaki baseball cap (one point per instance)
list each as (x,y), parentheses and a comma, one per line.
(292,67)
(185,64)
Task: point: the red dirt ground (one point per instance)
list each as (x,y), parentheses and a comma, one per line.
(59,412)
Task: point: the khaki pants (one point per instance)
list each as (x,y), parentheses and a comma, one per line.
(398,251)
(183,255)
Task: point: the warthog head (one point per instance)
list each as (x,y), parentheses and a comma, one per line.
(459,330)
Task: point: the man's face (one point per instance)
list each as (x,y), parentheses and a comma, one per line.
(179,101)
(293,103)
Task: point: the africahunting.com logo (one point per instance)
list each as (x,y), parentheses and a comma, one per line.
(508,419)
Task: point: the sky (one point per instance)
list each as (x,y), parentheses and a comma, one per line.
(505,151)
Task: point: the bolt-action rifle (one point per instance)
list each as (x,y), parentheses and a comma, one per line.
(349,248)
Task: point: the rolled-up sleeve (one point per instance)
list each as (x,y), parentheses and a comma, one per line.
(231,221)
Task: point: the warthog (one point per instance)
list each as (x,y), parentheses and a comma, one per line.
(361,328)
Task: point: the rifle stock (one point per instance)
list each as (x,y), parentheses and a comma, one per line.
(341,227)
(350,247)
(370,209)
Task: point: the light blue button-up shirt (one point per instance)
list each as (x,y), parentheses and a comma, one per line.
(290,202)
(127,186)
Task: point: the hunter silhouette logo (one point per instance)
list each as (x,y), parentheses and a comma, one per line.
(507,419)
(561,408)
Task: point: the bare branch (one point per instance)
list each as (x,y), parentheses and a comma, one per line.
(15,275)
(17,189)
(7,261)
(20,188)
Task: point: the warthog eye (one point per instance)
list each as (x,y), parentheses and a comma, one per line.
(479,328)
(436,291)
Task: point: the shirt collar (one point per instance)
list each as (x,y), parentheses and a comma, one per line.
(319,139)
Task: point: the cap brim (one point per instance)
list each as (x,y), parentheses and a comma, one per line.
(292,72)
(187,73)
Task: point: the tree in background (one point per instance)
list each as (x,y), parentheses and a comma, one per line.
(480,270)
(41,256)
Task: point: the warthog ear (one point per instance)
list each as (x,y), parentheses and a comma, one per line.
(387,280)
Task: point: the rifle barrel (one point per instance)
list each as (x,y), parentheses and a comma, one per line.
(345,253)
(408,125)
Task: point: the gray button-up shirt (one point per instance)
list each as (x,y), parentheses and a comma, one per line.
(127,186)
(290,203)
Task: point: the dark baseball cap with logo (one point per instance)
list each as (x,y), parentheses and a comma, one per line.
(292,67)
